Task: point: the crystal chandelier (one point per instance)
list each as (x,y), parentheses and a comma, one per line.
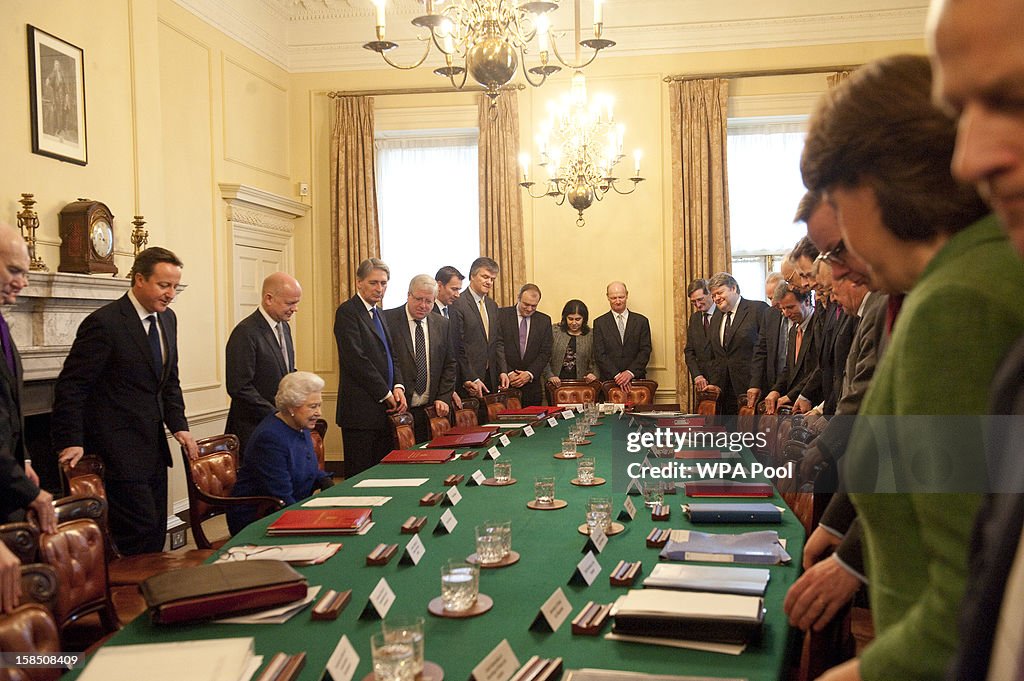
(579,147)
(490,39)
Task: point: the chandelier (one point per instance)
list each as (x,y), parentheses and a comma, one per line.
(490,39)
(579,147)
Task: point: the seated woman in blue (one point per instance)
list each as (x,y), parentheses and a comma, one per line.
(279,457)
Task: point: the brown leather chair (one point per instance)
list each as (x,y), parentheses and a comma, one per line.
(22,539)
(641,392)
(30,628)
(513,398)
(573,392)
(210,479)
(403,429)
(439,425)
(318,435)
(707,400)
(467,416)
(495,403)
(39,584)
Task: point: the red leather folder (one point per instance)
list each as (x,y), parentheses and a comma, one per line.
(321,521)
(453,441)
(418,456)
(727,488)
(466,430)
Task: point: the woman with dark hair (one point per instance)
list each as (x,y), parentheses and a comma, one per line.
(881,151)
(572,350)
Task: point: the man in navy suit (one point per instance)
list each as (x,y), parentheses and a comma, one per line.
(118,389)
(370,383)
(622,339)
(527,337)
(425,354)
(259,354)
(734,335)
(978,56)
(698,353)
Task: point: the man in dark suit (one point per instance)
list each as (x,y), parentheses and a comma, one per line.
(698,352)
(425,354)
(480,351)
(370,383)
(259,354)
(733,337)
(801,353)
(449,288)
(772,344)
(622,339)
(978,59)
(118,389)
(527,337)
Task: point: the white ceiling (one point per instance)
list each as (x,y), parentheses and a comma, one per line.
(327,35)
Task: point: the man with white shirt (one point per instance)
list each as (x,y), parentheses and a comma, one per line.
(449,288)
(734,336)
(622,339)
(480,350)
(527,337)
(424,352)
(259,354)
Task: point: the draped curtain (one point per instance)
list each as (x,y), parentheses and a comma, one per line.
(700,198)
(355,234)
(501,213)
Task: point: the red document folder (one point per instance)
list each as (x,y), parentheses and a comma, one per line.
(418,456)
(467,440)
(466,430)
(726,488)
(321,521)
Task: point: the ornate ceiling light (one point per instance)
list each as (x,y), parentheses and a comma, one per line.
(489,39)
(579,146)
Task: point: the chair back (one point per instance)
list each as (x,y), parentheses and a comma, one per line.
(707,400)
(318,435)
(30,628)
(495,403)
(574,392)
(403,430)
(439,425)
(22,539)
(513,398)
(641,392)
(75,552)
(39,584)
(467,416)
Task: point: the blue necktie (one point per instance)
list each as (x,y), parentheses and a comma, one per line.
(387,348)
(154,345)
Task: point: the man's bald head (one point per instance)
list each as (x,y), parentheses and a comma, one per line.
(281,296)
(14,263)
(618,296)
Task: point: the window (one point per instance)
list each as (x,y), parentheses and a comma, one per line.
(427,205)
(765,189)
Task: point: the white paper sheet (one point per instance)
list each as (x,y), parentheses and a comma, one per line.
(321,501)
(724,648)
(391,482)
(278,615)
(208,660)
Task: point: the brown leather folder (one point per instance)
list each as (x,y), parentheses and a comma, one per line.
(221,589)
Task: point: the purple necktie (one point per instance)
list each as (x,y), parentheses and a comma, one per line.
(522,336)
(5,340)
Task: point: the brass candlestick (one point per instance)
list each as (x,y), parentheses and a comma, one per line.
(140,237)
(28,223)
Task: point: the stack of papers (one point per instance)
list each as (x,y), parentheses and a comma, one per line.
(320,501)
(211,660)
(278,615)
(728,580)
(723,618)
(762,548)
(391,482)
(293,554)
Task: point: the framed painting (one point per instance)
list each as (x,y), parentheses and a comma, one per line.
(57,94)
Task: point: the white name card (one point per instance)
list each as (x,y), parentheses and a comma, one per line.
(630,508)
(343,661)
(478,477)
(528,431)
(448,521)
(568,414)
(382,597)
(414,550)
(588,568)
(556,609)
(599,539)
(493,453)
(499,665)
(552,421)
(453,495)
(504,440)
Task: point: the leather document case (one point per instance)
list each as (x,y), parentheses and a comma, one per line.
(320,521)
(727,488)
(418,456)
(208,591)
(733,513)
(467,440)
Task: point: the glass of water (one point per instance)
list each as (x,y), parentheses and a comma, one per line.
(460,584)
(406,629)
(544,490)
(503,471)
(569,447)
(489,544)
(654,492)
(599,513)
(585,470)
(392,661)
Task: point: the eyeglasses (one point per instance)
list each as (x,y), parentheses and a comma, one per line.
(834,255)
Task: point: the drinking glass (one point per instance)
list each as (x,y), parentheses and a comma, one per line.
(406,629)
(599,512)
(489,544)
(392,661)
(569,447)
(585,470)
(653,491)
(544,490)
(460,584)
(502,471)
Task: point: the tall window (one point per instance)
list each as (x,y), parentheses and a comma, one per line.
(765,189)
(427,203)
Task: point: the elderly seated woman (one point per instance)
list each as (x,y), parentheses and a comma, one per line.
(279,457)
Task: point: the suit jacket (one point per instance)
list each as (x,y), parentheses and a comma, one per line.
(111,399)
(698,353)
(363,367)
(800,367)
(440,356)
(585,362)
(254,368)
(479,355)
(765,369)
(454,337)
(538,350)
(734,360)
(631,352)
(18,490)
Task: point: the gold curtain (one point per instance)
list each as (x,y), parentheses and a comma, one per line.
(355,233)
(501,212)
(700,199)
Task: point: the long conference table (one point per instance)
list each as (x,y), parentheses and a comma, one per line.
(550,546)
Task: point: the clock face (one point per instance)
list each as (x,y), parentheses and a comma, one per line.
(102,238)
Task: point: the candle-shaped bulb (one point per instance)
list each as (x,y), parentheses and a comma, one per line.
(524,162)
(543,25)
(380,12)
(637,155)
(598,12)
